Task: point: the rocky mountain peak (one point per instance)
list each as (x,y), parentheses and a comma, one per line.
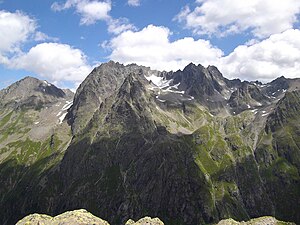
(30,91)
(278,84)
(103,82)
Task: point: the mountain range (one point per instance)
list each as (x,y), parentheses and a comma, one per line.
(190,147)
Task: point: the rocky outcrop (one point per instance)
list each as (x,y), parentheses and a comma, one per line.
(83,217)
(77,217)
(267,220)
(144,221)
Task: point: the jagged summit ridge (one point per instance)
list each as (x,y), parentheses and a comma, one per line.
(194,84)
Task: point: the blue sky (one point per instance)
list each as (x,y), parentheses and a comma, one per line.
(61,41)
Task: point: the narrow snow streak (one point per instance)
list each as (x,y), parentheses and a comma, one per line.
(61,119)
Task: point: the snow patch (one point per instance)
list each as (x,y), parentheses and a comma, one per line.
(161,100)
(49,85)
(67,105)
(152,88)
(173,91)
(175,86)
(190,98)
(158,81)
(64,108)
(62,117)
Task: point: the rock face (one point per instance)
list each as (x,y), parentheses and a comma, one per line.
(103,81)
(189,147)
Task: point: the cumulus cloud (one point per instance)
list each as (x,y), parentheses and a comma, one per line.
(151,47)
(134,2)
(117,26)
(262,60)
(92,11)
(275,56)
(15,29)
(53,61)
(223,17)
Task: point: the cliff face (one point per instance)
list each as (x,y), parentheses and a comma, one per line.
(189,147)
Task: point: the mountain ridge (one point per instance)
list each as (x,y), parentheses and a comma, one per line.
(188,146)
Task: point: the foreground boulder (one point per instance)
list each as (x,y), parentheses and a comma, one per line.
(83,217)
(76,217)
(145,221)
(266,220)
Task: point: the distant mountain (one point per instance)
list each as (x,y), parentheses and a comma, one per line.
(190,147)
(30,92)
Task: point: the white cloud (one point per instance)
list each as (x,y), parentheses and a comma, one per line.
(93,11)
(15,29)
(117,26)
(53,61)
(40,36)
(262,60)
(90,11)
(278,55)
(151,47)
(223,17)
(134,2)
